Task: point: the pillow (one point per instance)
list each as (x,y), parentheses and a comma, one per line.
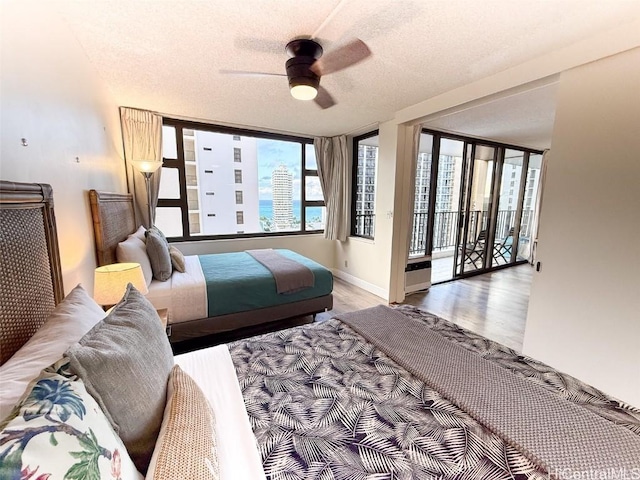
(140,233)
(59,432)
(186,446)
(124,361)
(68,322)
(158,252)
(133,250)
(177,259)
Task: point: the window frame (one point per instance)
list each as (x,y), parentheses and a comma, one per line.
(354,185)
(179,164)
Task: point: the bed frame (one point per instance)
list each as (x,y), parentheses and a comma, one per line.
(31,280)
(113,220)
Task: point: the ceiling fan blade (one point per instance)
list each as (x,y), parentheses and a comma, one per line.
(324,99)
(245,73)
(342,57)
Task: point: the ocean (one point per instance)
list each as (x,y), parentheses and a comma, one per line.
(266,210)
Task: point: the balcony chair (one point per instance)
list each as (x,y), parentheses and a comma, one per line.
(474,252)
(503,250)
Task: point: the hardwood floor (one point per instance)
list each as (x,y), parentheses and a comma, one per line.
(494,305)
(349,298)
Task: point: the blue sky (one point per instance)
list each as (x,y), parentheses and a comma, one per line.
(271,154)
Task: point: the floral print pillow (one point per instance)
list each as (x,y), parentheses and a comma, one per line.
(58,431)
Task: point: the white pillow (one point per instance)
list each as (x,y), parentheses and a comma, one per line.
(68,323)
(134,250)
(140,233)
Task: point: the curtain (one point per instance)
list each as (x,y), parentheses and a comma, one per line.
(411,184)
(535,222)
(333,170)
(142,138)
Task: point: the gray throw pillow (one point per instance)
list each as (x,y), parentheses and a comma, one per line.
(158,252)
(177,259)
(125,361)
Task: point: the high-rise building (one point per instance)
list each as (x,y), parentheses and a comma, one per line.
(222,183)
(447,197)
(447,187)
(365,205)
(282,188)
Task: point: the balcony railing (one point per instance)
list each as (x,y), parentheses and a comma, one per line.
(446,223)
(363,225)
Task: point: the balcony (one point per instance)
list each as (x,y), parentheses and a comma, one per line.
(363,225)
(444,240)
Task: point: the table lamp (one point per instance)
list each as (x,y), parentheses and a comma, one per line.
(110,282)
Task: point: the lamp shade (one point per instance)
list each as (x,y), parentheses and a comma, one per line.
(110,282)
(147,166)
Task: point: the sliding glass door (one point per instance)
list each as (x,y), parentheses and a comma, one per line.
(474,204)
(473,252)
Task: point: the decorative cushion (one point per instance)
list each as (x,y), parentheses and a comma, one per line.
(124,361)
(134,250)
(69,321)
(158,252)
(59,432)
(177,259)
(186,446)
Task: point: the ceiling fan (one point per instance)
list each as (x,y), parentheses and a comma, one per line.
(307,65)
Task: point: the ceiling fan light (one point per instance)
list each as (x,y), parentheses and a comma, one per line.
(303,92)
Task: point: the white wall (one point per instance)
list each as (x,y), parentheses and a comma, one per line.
(368,262)
(51,95)
(584,310)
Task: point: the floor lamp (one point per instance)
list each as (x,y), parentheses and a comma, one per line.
(148,168)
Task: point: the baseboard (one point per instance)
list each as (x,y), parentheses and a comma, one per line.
(358,282)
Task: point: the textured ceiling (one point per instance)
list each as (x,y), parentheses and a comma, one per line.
(166,56)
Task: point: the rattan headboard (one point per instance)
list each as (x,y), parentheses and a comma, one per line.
(31,278)
(113,221)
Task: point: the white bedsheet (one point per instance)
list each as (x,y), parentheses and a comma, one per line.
(184,294)
(213,371)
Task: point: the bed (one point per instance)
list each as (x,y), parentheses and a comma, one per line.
(376,394)
(239,292)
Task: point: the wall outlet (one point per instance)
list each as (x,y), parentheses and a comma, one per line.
(346,264)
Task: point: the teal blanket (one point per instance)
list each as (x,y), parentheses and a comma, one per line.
(236,282)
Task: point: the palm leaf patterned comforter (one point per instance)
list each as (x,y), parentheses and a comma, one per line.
(326,404)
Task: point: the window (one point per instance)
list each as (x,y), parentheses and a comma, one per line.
(273,177)
(365,161)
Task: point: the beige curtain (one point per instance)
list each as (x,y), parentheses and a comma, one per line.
(142,138)
(411,185)
(535,222)
(333,170)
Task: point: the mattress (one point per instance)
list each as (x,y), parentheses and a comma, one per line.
(226,283)
(238,457)
(323,402)
(184,294)
(237,282)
